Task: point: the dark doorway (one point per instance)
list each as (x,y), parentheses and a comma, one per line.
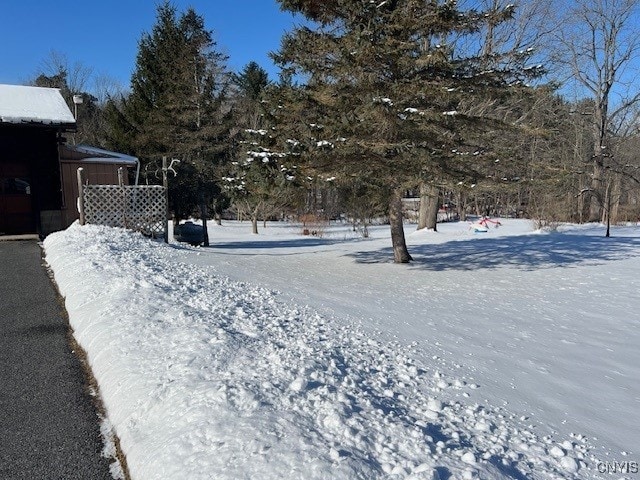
(29,177)
(16,201)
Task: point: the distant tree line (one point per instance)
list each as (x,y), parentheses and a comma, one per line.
(463,105)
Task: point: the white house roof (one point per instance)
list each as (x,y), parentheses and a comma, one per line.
(36,105)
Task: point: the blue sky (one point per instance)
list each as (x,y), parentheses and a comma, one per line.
(104,35)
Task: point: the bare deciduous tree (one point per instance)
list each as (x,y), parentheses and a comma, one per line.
(602,45)
(77,75)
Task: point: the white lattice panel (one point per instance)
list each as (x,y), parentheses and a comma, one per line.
(140,208)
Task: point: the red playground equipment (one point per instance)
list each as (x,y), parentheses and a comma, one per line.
(486,221)
(483,225)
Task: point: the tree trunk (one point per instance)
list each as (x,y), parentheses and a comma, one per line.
(428,217)
(217,216)
(461,206)
(600,151)
(477,205)
(424,206)
(581,204)
(595,198)
(616,197)
(254,221)
(433,205)
(400,252)
(607,204)
(608,210)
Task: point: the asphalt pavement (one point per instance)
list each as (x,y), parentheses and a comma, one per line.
(49,427)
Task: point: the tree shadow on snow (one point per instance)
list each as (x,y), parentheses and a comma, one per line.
(293,243)
(526,252)
(261,247)
(268,244)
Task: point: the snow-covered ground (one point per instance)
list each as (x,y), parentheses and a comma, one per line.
(506,354)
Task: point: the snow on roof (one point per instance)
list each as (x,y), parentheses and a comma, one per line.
(20,104)
(87,153)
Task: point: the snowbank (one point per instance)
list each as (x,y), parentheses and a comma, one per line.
(204,377)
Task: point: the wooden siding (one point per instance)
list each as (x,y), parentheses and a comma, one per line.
(94,173)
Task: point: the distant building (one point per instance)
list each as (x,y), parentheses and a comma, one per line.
(38,190)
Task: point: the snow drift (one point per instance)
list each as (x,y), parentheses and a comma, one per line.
(205,377)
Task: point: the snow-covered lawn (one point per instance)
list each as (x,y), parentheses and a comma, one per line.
(507,354)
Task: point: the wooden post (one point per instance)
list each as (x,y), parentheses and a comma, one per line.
(123,198)
(608,202)
(81,195)
(204,226)
(165,184)
(203,214)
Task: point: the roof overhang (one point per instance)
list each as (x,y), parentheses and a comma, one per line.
(88,154)
(35,106)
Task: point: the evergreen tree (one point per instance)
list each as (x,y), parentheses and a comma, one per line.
(252,81)
(250,87)
(379,86)
(258,182)
(177,107)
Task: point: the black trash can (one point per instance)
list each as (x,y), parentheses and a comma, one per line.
(189,232)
